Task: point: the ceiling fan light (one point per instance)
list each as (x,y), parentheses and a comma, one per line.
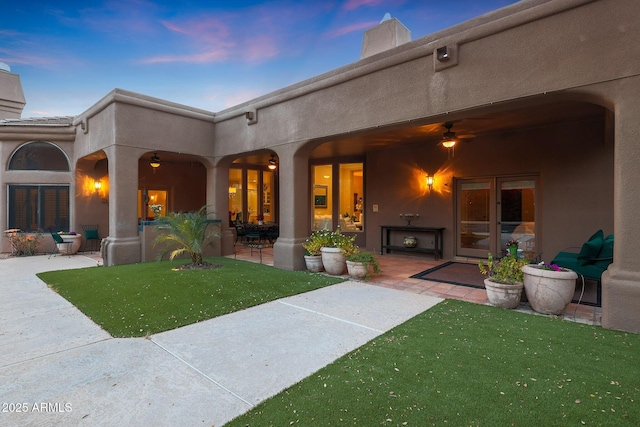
(155,161)
(448,143)
(272,163)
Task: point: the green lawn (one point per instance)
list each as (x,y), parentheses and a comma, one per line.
(463,364)
(140,299)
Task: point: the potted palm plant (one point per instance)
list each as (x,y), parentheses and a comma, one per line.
(361,263)
(504,282)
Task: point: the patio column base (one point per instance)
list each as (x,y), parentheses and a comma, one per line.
(120,250)
(288,253)
(620,300)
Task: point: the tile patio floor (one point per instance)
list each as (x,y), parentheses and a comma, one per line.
(398,269)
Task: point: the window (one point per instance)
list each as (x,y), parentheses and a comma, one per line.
(344,208)
(34,207)
(252,193)
(39,155)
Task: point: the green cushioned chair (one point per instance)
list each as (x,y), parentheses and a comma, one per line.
(593,259)
(91,236)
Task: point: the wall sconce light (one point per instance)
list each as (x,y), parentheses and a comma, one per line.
(430,180)
(272,163)
(155,161)
(97,185)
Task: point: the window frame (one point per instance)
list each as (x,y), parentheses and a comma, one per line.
(42,209)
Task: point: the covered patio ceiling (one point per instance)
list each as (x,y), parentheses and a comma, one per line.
(466,126)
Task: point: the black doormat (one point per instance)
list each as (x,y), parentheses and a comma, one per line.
(455,273)
(465,274)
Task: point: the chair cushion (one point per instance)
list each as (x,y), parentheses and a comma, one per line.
(91,234)
(605,257)
(591,248)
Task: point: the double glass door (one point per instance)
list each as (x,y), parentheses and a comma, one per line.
(492,211)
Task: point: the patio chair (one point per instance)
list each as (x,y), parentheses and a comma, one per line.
(255,237)
(58,244)
(240,232)
(91,236)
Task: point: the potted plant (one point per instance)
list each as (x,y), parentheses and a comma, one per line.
(549,288)
(504,280)
(512,247)
(334,250)
(312,246)
(260,218)
(361,263)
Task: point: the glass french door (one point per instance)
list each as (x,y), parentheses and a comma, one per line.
(492,211)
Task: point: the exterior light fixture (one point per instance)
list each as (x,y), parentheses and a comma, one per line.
(442,54)
(97,185)
(430,180)
(449,138)
(155,161)
(272,163)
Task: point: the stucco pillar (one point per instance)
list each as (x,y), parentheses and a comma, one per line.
(122,246)
(218,200)
(293,170)
(621,282)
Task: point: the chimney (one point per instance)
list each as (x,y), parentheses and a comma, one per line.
(11,96)
(388,34)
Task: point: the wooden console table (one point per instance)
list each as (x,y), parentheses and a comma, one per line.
(385,231)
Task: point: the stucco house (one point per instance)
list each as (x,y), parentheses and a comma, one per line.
(542,96)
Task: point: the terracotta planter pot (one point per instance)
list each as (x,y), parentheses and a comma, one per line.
(357,270)
(334,261)
(549,291)
(314,263)
(503,295)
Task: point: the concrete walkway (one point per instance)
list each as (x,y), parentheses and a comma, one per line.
(57,368)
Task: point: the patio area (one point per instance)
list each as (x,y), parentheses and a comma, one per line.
(398,269)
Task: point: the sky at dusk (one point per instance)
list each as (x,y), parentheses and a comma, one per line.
(205,54)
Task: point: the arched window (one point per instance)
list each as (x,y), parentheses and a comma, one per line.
(39,155)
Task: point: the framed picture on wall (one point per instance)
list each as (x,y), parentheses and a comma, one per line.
(320,193)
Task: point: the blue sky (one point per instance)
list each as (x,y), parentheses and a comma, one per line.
(206,54)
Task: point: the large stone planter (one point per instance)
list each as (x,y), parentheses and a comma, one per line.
(357,270)
(334,261)
(314,263)
(549,291)
(76,241)
(503,295)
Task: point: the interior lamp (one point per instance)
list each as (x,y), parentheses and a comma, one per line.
(272,163)
(155,161)
(430,180)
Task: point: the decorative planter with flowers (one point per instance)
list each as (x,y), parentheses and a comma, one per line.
(512,247)
(312,246)
(260,218)
(504,280)
(549,288)
(361,263)
(334,251)
(70,236)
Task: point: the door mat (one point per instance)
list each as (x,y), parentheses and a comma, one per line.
(465,274)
